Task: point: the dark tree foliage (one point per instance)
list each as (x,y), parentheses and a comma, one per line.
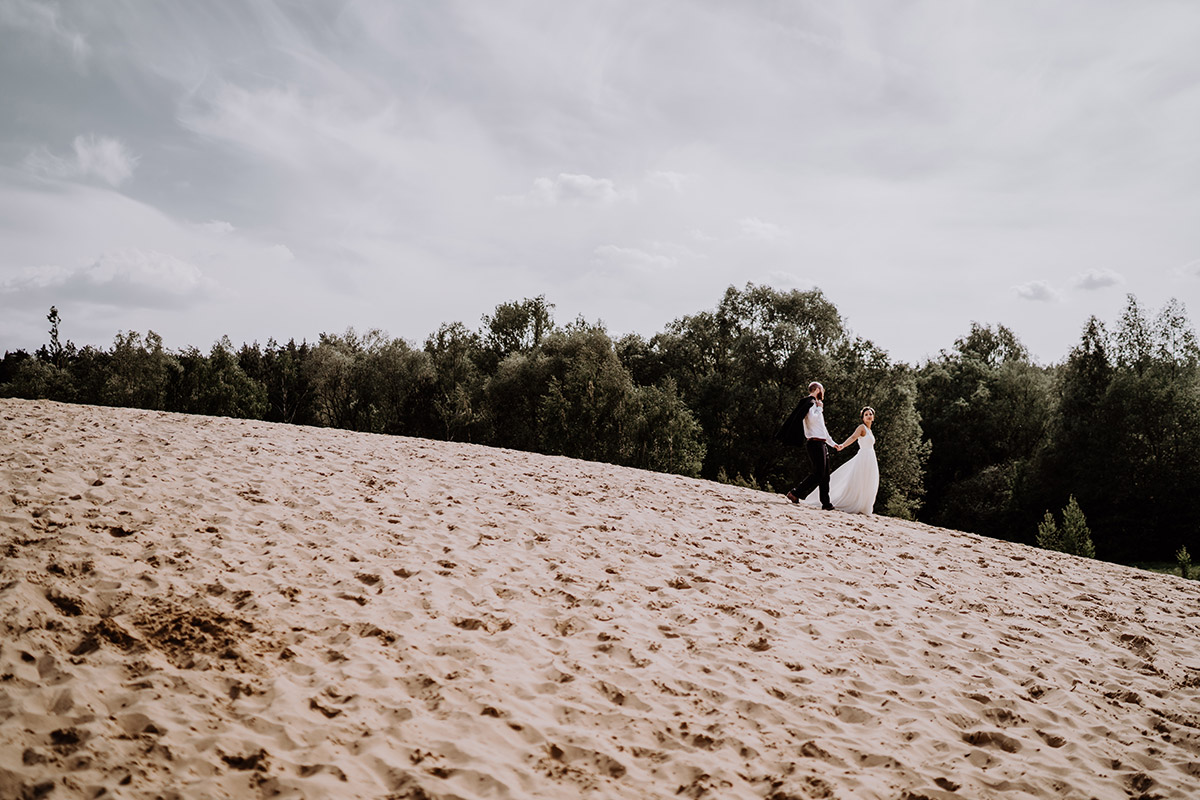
(455,353)
(364,382)
(279,368)
(512,400)
(10,367)
(56,353)
(979,439)
(662,433)
(215,385)
(517,373)
(1127,436)
(1116,426)
(742,367)
(514,328)
(985,408)
(140,372)
(584,408)
(573,396)
(90,369)
(36,378)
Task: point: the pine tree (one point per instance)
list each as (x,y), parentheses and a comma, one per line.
(1185,561)
(1049,537)
(1075,534)
(1073,538)
(56,348)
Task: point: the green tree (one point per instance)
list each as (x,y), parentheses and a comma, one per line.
(375,383)
(44,377)
(35,379)
(1049,537)
(454,353)
(1073,537)
(140,372)
(516,372)
(512,398)
(400,377)
(8,369)
(661,433)
(89,369)
(227,390)
(57,352)
(741,368)
(215,385)
(517,327)
(1077,538)
(1127,438)
(281,369)
(986,409)
(329,371)
(583,412)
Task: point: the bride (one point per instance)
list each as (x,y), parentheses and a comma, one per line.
(852,487)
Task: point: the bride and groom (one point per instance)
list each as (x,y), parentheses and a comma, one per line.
(853,486)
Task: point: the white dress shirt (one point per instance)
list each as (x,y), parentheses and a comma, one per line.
(814,424)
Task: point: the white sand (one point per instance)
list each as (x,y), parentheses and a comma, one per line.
(194,607)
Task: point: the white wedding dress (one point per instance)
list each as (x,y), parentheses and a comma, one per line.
(853,485)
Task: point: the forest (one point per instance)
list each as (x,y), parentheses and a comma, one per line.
(980,438)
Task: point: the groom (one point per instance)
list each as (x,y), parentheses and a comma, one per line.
(806,425)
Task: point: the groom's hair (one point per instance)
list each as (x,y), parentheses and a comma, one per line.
(816,385)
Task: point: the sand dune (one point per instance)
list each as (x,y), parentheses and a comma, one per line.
(195,607)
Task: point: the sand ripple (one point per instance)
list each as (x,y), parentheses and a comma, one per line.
(196,608)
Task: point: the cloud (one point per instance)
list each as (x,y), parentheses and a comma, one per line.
(1190,269)
(104,157)
(277,125)
(1098,279)
(669,180)
(281,253)
(217,226)
(574,189)
(375,139)
(754,228)
(633,257)
(1037,291)
(44,20)
(124,278)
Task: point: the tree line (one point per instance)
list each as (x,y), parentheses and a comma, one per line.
(980,438)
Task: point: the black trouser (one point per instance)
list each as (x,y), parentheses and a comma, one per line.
(818,477)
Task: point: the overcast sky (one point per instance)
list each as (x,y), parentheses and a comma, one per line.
(266,169)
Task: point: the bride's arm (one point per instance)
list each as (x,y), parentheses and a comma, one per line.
(859,431)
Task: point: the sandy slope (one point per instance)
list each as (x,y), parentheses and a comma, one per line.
(194,607)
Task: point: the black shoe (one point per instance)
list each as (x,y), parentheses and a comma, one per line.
(793,497)
(828,508)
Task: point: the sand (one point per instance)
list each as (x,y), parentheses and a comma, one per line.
(196,607)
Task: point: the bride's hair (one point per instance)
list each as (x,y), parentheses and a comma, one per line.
(865,409)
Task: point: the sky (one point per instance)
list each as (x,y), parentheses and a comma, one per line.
(281,169)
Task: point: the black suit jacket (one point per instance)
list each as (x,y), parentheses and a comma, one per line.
(792,431)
